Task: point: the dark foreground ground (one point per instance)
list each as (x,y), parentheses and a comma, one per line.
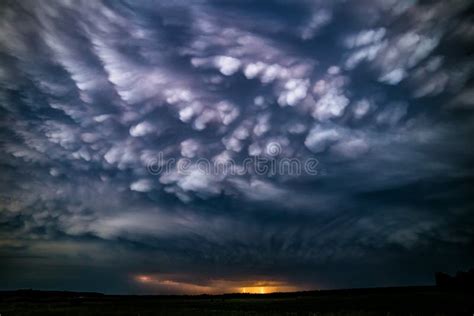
(383,301)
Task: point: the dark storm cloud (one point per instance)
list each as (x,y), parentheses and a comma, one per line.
(91,93)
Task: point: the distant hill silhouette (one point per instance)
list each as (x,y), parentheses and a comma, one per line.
(415,301)
(461,281)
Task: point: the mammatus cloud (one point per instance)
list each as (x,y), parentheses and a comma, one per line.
(95,97)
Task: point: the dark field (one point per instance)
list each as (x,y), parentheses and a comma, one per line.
(383,301)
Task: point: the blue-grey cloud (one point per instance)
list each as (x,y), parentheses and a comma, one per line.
(379,93)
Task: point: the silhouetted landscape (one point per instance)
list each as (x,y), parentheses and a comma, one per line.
(426,300)
(451,296)
(461,281)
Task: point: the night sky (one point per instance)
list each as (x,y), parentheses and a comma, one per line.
(342,132)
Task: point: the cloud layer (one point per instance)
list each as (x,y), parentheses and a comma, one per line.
(92,93)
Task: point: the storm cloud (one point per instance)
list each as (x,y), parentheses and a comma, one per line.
(95,94)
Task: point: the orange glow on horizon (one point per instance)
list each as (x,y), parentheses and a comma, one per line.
(170,283)
(266,289)
(143,278)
